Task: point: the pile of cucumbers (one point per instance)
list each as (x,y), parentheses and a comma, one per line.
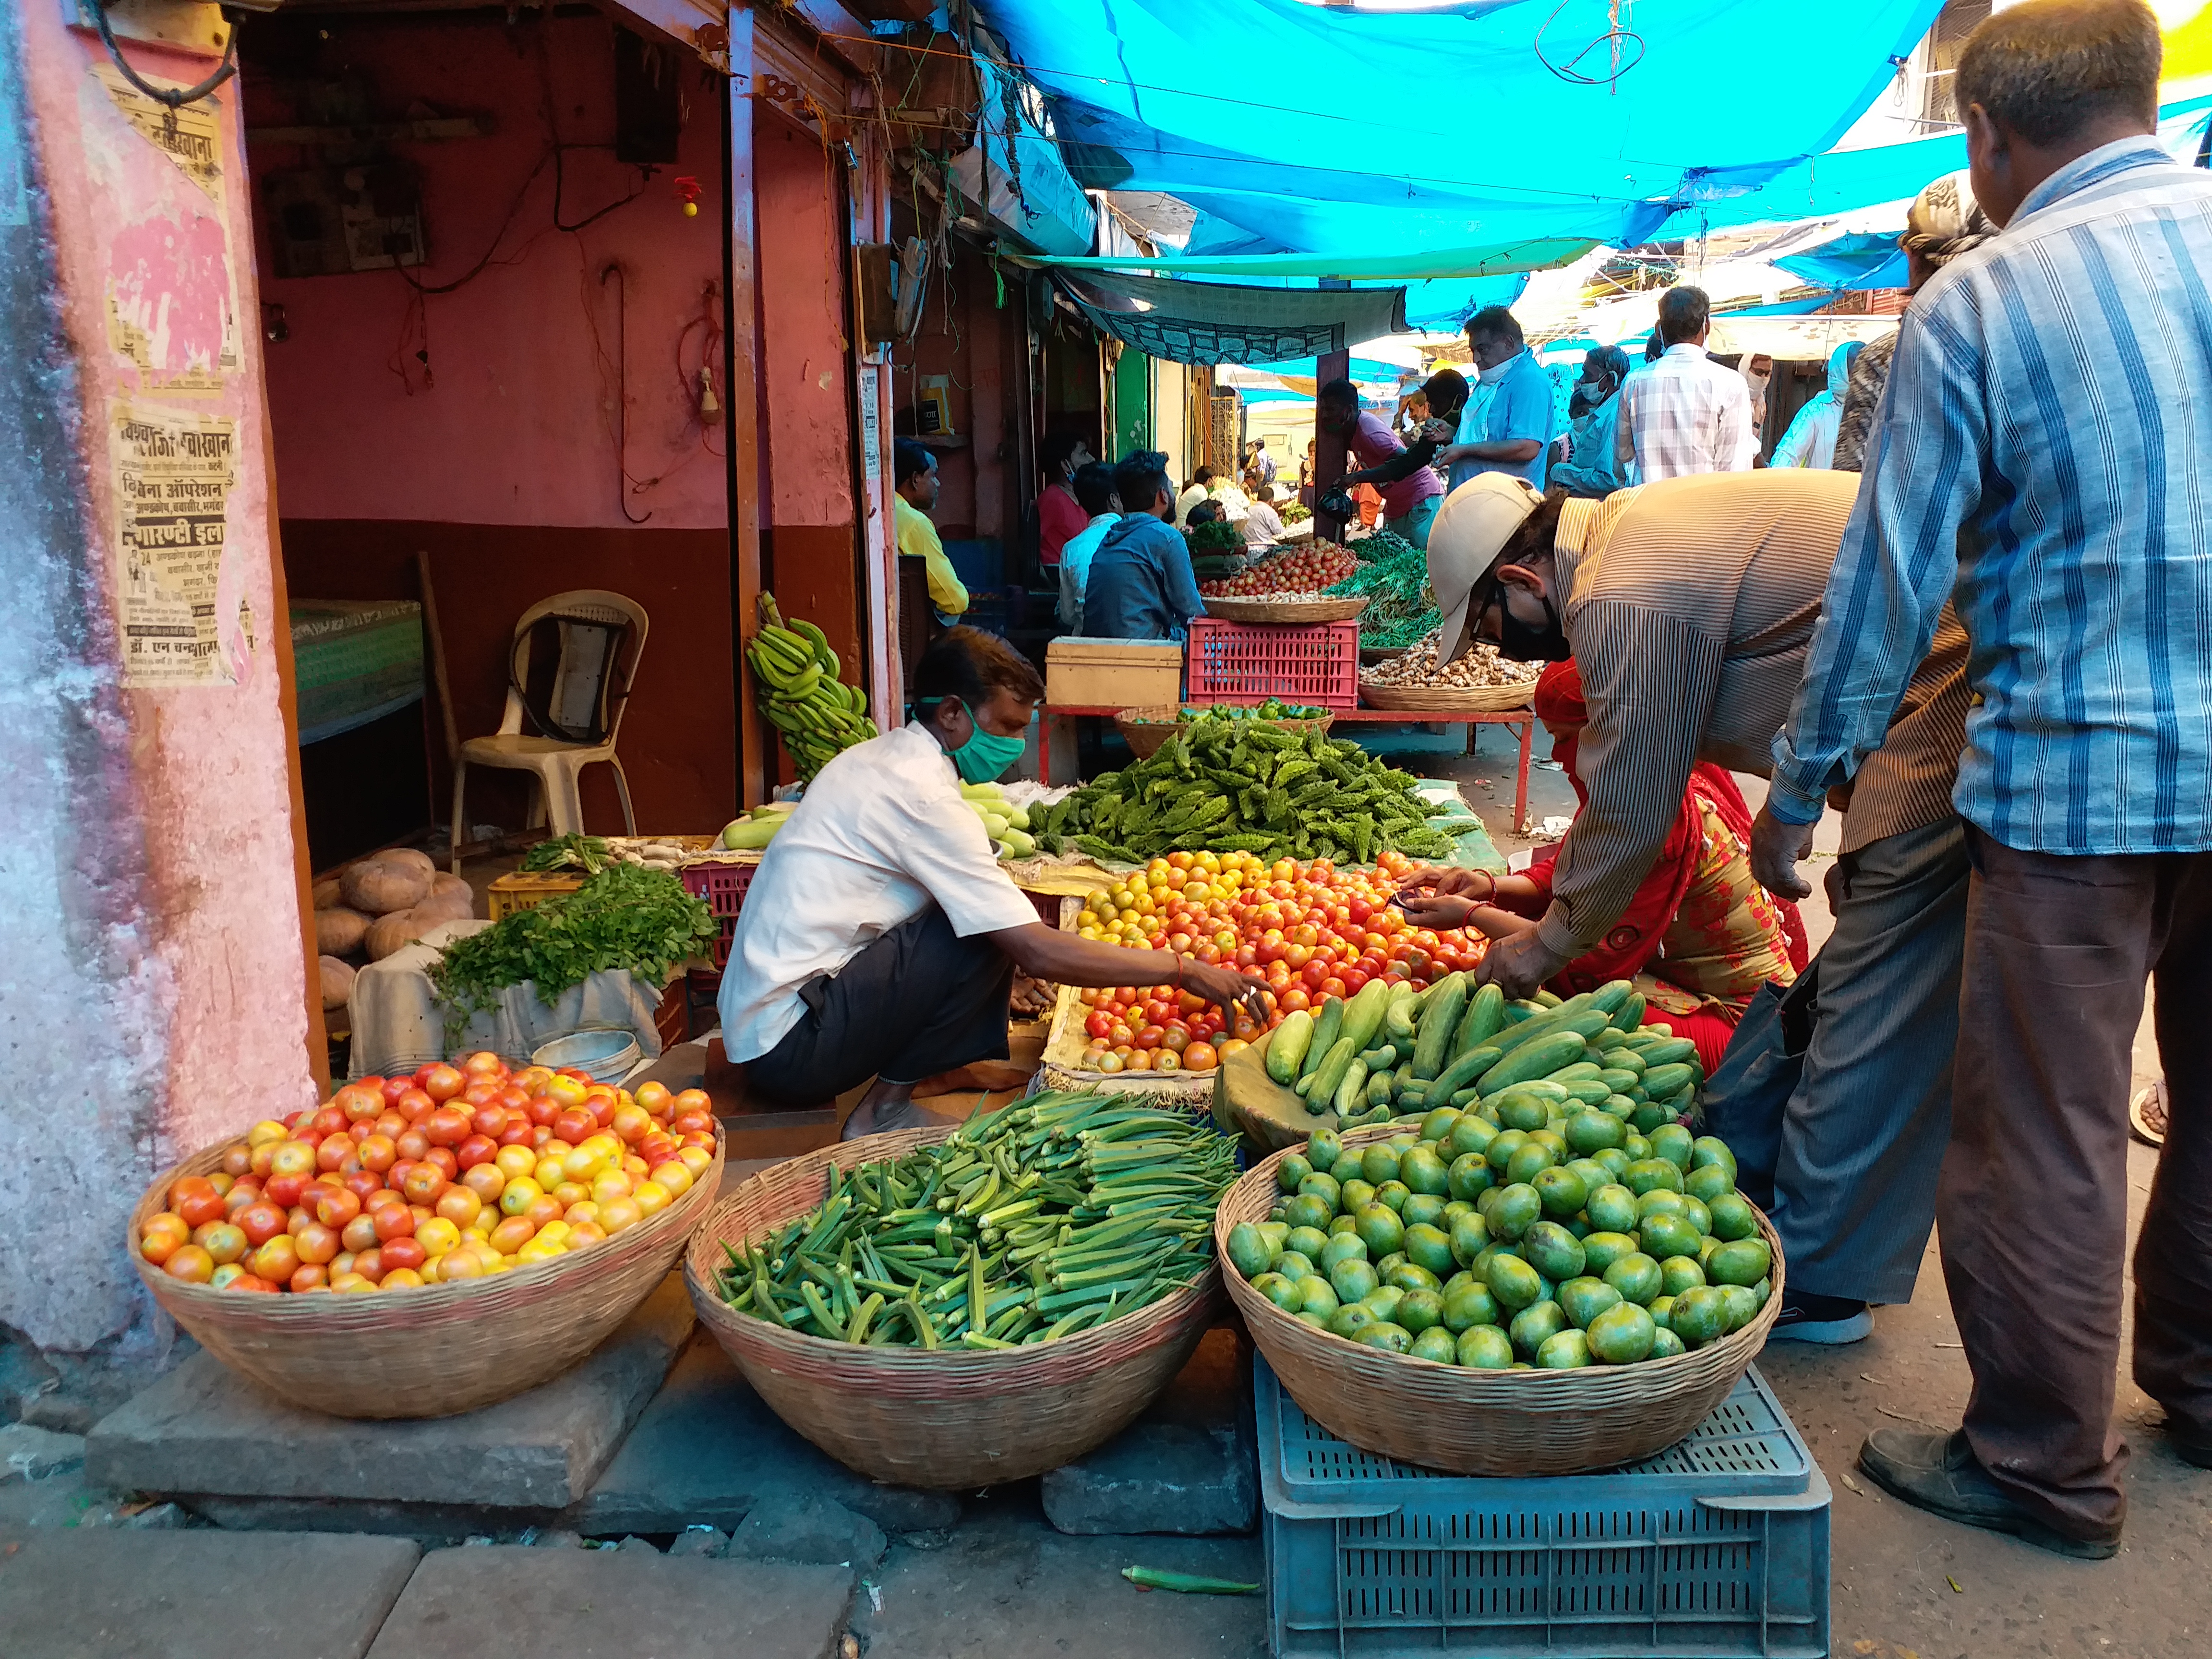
(1391,1051)
(818,715)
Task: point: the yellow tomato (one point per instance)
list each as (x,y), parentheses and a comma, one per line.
(651,1197)
(695,1159)
(571,1192)
(535,1251)
(512,1161)
(619,1214)
(352,1284)
(464,1263)
(610,1183)
(550,1173)
(587,1232)
(672,1178)
(553,1232)
(520,1194)
(267,1133)
(581,1212)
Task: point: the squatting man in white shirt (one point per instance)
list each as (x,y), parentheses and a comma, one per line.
(880,938)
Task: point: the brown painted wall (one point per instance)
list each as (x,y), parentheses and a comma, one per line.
(678,739)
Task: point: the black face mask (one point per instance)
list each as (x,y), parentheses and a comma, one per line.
(1519,640)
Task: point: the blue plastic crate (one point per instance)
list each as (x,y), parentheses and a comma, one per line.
(1717,1546)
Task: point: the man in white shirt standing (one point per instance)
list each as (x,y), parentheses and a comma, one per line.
(879,937)
(1685,413)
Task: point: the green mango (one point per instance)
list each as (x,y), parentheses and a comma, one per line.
(1423,1171)
(1247,1251)
(1471,1133)
(1621,1335)
(1485,1348)
(1678,1273)
(1436,1127)
(1352,1279)
(1382,1300)
(1534,1325)
(1383,1334)
(1430,1249)
(1392,1196)
(1419,1309)
(1323,1148)
(1593,1131)
(1295,1265)
(1308,1211)
(1517,1210)
(1423,1210)
(1470,1235)
(1308,1242)
(1514,1283)
(1665,1344)
(1742,1304)
(1699,1317)
(1292,1170)
(1412,1276)
(1378,1164)
(1341,1247)
(1601,1249)
(1436,1345)
(1355,1195)
(1709,1182)
(1674,1143)
(1562,1192)
(1468,1306)
(1637,1278)
(1382,1230)
(1502,1145)
(1469,1176)
(1349,1320)
(1584,1298)
(1662,1235)
(1710,1151)
(1742,1262)
(1553,1251)
(1612,1209)
(1564,1350)
(1732,1218)
(1647,1172)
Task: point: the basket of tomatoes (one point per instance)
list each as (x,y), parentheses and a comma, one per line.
(421,1245)
(1308,930)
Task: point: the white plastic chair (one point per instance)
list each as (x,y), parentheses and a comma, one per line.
(554,762)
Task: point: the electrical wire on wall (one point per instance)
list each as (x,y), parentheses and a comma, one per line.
(175,98)
(624,485)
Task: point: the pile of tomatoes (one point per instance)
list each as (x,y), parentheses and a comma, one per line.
(1310,930)
(1308,570)
(457,1172)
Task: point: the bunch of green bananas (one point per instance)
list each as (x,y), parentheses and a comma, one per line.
(801,693)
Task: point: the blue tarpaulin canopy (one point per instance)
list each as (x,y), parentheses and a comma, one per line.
(1502,136)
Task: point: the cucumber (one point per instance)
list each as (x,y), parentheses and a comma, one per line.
(1589,1091)
(1667,1052)
(1530,1061)
(1439,1020)
(1362,1015)
(1612,996)
(1465,1070)
(1378,1060)
(1330,1072)
(1630,1014)
(1326,1024)
(1286,1048)
(1543,1023)
(1483,1019)
(1624,1058)
(1378,1089)
(1463,1098)
(1549,998)
(1576,1073)
(1520,1013)
(1398,1018)
(1402,1047)
(1618,1079)
(1664,1082)
(1351,1095)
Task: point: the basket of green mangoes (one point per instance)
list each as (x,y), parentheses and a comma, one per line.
(1490,1300)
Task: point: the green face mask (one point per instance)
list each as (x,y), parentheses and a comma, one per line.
(985,754)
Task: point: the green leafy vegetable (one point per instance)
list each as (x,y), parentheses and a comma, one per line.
(1393,580)
(585,852)
(628,917)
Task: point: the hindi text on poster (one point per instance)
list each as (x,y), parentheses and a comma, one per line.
(172,476)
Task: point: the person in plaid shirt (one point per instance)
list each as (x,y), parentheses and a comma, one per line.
(1685,413)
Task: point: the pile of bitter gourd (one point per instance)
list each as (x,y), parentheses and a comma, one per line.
(1063,1212)
(1244,787)
(818,714)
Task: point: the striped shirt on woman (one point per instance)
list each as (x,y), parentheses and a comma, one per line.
(1690,603)
(2044,456)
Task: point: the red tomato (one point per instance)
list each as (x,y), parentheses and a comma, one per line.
(543,1110)
(360,1233)
(336,1153)
(280,1189)
(1150,1037)
(316,1244)
(403,1253)
(1332,987)
(261,1221)
(1352,979)
(446,1127)
(411,1145)
(443,1159)
(476,1149)
(442,1083)
(392,1221)
(336,1206)
(1098,1024)
(413,1106)
(575,1124)
(310,1276)
(379,1153)
(519,1130)
(392,1087)
(357,1101)
(369,1264)
(1199,1057)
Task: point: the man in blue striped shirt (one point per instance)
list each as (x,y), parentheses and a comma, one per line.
(2044,456)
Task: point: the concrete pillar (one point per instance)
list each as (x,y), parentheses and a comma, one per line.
(151,961)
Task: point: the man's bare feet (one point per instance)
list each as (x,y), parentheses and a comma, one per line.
(987,1076)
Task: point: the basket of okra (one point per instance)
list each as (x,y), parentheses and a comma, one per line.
(844,1284)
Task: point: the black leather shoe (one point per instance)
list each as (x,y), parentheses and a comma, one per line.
(2190,1447)
(1938,1472)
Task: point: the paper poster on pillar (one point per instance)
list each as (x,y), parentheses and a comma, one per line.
(171,293)
(170,309)
(172,475)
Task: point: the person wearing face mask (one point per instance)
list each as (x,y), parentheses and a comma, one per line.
(1591,467)
(1439,400)
(1059,516)
(1688,605)
(880,938)
(1758,371)
(1518,425)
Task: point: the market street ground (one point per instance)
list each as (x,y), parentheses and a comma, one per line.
(1004,1583)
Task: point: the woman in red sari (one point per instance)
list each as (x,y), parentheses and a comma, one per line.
(1700,935)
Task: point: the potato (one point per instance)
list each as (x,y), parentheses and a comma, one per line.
(380,886)
(337,981)
(327,894)
(398,931)
(339,932)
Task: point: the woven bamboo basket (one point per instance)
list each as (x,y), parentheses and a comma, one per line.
(1447,700)
(949,1419)
(1471,1422)
(1285,611)
(430,1351)
(1146,730)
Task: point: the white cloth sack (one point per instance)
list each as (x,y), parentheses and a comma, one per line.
(399,1024)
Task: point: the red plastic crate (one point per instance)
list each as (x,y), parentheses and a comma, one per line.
(1251,662)
(723,886)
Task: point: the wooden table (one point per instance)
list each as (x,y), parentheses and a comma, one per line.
(1523,721)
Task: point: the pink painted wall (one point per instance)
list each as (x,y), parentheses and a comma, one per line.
(805,359)
(151,964)
(518,426)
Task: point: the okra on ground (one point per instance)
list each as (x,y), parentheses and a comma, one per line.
(1063,1212)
